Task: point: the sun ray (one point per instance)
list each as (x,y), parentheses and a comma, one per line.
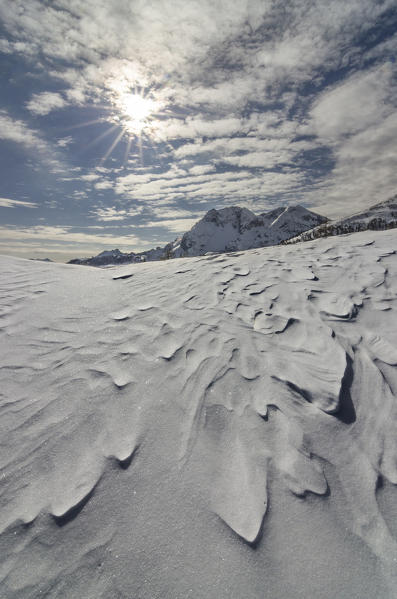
(151,145)
(112,146)
(84,124)
(140,149)
(99,137)
(136,112)
(127,150)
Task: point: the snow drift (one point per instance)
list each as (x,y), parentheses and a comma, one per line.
(213,427)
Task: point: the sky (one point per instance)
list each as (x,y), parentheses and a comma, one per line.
(122,122)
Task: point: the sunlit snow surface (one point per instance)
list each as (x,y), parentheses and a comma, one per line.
(213,427)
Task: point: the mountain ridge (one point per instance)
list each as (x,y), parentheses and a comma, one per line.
(378,217)
(221,230)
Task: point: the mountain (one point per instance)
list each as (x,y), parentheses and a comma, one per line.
(234,229)
(221,427)
(42,259)
(225,230)
(378,217)
(112,257)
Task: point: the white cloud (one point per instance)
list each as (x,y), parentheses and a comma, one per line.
(45,102)
(46,235)
(109,214)
(112,213)
(359,120)
(90,177)
(176,226)
(5,47)
(8,203)
(64,141)
(354,105)
(201,169)
(220,188)
(19,132)
(178,45)
(166,213)
(365,171)
(103,185)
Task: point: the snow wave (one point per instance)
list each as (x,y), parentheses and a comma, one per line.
(223,375)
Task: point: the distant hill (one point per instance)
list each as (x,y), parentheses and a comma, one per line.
(225,230)
(378,217)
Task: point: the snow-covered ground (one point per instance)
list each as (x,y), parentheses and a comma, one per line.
(215,427)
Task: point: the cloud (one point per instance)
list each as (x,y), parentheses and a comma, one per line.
(168,213)
(112,213)
(45,102)
(62,241)
(201,169)
(356,104)
(8,203)
(176,226)
(5,47)
(220,188)
(89,177)
(359,120)
(19,132)
(199,53)
(103,185)
(365,171)
(65,141)
(109,214)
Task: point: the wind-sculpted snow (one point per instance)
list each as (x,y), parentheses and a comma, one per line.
(219,426)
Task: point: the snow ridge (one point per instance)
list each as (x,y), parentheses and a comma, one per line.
(156,409)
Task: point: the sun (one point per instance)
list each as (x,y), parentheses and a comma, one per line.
(135,116)
(136,112)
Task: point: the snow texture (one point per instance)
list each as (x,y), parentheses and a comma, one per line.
(212,427)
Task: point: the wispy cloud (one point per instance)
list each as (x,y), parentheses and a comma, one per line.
(361,101)
(62,241)
(19,132)
(8,203)
(65,141)
(175,226)
(43,103)
(112,213)
(358,119)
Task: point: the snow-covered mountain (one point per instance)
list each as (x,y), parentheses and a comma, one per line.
(218,427)
(112,257)
(378,217)
(234,228)
(228,229)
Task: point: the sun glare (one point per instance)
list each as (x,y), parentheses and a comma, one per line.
(137,112)
(135,116)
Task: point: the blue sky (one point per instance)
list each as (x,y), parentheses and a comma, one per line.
(123,121)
